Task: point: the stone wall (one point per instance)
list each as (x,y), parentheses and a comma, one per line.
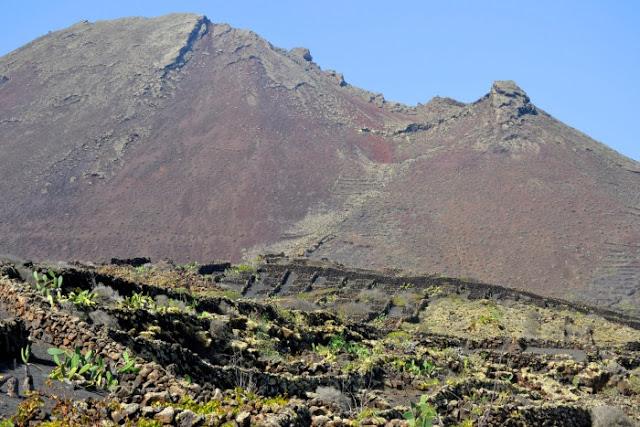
(13,337)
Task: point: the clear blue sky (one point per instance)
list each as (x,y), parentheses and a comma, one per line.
(578,60)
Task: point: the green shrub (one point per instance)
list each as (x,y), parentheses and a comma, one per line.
(82,298)
(240,269)
(87,367)
(142,269)
(189,267)
(50,286)
(129,365)
(339,344)
(138,301)
(421,414)
(206,408)
(423,368)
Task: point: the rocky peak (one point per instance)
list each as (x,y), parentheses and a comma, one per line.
(302,52)
(220,28)
(508,88)
(507,97)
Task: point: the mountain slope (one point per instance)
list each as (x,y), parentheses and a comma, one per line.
(175,137)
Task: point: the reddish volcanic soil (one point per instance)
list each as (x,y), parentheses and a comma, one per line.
(175,137)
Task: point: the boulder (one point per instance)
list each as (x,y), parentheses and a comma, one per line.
(155,397)
(166,416)
(302,52)
(188,419)
(243,419)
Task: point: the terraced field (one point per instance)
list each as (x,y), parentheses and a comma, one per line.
(296,342)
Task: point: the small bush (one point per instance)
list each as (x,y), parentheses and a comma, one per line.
(239,270)
(138,301)
(421,414)
(50,286)
(417,368)
(27,410)
(87,367)
(82,298)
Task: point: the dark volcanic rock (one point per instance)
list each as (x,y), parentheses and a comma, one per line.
(134,262)
(13,338)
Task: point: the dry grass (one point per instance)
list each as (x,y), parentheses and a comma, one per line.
(457,316)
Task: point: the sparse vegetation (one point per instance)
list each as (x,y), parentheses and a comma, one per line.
(399,300)
(50,286)
(138,301)
(88,368)
(339,344)
(231,294)
(239,269)
(634,381)
(27,410)
(422,414)
(422,368)
(190,267)
(236,401)
(82,298)
(142,269)
(25,354)
(129,365)
(492,316)
(261,345)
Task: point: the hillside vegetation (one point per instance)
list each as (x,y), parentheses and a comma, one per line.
(285,342)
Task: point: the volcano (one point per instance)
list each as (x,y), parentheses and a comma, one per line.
(177,137)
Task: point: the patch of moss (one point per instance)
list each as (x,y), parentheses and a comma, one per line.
(240,270)
(398,337)
(399,301)
(211,407)
(239,400)
(231,294)
(146,422)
